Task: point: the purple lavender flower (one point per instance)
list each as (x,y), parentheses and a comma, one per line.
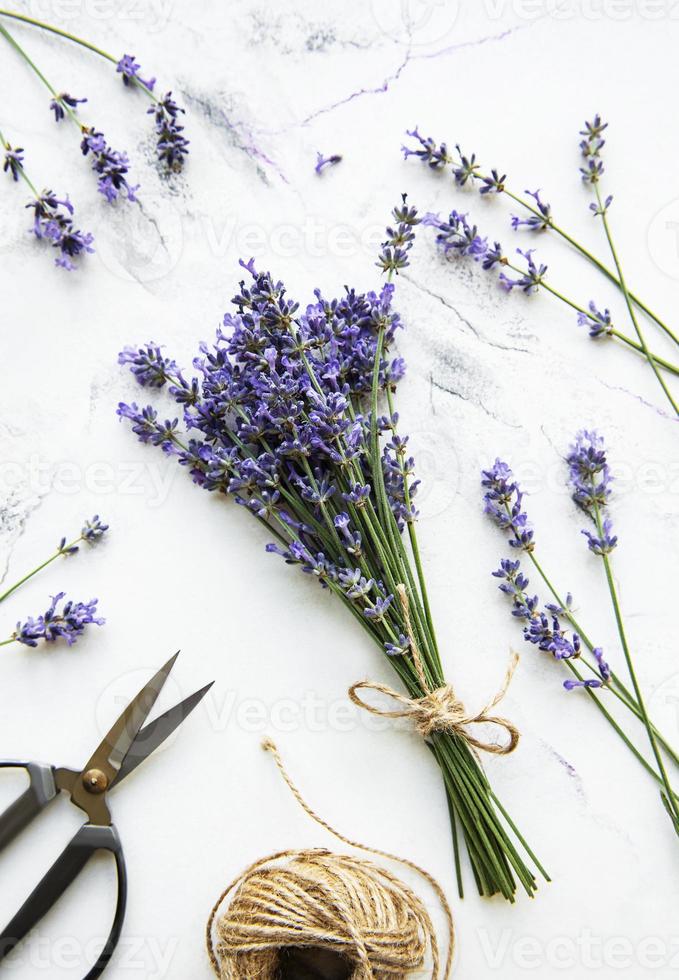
(466,169)
(64,99)
(149,366)
(53,222)
(601,209)
(597,322)
(591,147)
(93,530)
(503,503)
(172,145)
(399,649)
(535,222)
(493,183)
(68,624)
(590,481)
(13,161)
(429,152)
(145,424)
(399,241)
(514,584)
(110,165)
(129,68)
(602,680)
(589,474)
(458,236)
(530,279)
(322,161)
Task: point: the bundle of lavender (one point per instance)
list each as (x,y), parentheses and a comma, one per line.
(291,414)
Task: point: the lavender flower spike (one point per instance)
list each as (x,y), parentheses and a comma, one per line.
(597,321)
(530,279)
(503,502)
(590,480)
(171,144)
(129,68)
(536,222)
(69,624)
(428,151)
(322,161)
(399,241)
(110,165)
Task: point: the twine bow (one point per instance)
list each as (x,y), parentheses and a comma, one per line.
(439,709)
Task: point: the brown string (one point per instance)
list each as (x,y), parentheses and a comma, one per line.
(439,709)
(318,899)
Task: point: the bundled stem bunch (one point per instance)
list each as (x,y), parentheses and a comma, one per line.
(291,414)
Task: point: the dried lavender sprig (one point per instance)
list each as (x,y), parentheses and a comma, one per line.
(172,145)
(400,238)
(67,624)
(591,147)
(437,156)
(91,532)
(503,502)
(455,236)
(590,483)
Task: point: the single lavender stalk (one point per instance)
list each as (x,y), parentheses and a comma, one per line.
(437,156)
(68,623)
(590,480)
(457,237)
(90,533)
(591,147)
(171,144)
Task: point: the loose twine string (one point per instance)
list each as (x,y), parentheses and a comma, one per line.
(439,709)
(313,899)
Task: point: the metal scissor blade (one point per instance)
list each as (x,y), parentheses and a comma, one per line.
(155,733)
(111,752)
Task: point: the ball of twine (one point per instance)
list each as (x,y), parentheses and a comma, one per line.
(320,900)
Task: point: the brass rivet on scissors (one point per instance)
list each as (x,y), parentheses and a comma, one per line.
(95,781)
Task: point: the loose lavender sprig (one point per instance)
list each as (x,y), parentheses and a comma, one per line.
(437,157)
(91,532)
(322,161)
(68,623)
(590,481)
(503,502)
(591,146)
(457,237)
(399,240)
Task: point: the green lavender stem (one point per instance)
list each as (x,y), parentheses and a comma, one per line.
(76,40)
(673,368)
(671,800)
(20,167)
(623,694)
(17,47)
(628,301)
(40,567)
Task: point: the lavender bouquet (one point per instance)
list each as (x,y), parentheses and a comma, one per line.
(290,413)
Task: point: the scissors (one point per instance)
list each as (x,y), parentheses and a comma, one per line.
(125,746)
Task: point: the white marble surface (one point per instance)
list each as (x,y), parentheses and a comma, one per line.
(265,86)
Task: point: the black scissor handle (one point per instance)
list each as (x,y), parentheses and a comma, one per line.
(41,791)
(89,839)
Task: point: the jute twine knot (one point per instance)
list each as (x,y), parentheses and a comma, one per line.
(316,899)
(439,709)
